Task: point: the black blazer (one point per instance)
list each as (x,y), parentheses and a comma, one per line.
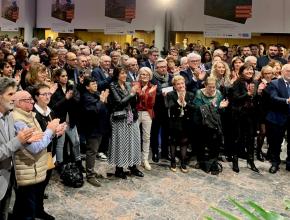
(279,109)
(102,80)
(191,85)
(95,119)
(122,99)
(175,109)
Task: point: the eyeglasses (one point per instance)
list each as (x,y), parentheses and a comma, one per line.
(160,67)
(28,100)
(46,94)
(194,61)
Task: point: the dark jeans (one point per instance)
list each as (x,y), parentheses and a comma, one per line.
(275,135)
(27,200)
(157,124)
(4,203)
(91,153)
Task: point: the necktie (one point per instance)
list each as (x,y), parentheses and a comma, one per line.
(134,76)
(288,88)
(76,76)
(152,67)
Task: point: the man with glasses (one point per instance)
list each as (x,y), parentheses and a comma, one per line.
(195,74)
(132,68)
(162,79)
(153,55)
(71,67)
(30,163)
(9,143)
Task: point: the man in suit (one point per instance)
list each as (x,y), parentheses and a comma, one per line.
(272,55)
(278,118)
(153,55)
(194,75)
(71,67)
(9,143)
(103,74)
(132,67)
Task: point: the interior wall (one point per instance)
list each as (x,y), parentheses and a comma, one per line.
(268,39)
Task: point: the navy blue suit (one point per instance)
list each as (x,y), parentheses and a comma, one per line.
(191,85)
(103,81)
(278,120)
(147,64)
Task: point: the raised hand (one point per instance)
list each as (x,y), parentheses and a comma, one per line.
(25,134)
(52,125)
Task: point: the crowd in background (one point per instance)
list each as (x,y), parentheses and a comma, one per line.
(126,103)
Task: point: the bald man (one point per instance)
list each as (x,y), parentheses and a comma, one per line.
(9,142)
(30,163)
(71,67)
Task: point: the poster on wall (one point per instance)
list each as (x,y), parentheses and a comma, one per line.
(10,10)
(63,10)
(123,10)
(227,19)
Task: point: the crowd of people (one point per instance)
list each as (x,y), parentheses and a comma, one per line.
(64,98)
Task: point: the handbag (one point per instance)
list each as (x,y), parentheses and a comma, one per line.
(50,163)
(72,176)
(119,115)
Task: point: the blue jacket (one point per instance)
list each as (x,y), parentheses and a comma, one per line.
(191,85)
(102,80)
(279,109)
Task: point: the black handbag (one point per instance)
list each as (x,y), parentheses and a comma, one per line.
(119,115)
(72,176)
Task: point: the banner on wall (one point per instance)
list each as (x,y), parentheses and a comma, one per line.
(227,19)
(10,10)
(63,10)
(123,10)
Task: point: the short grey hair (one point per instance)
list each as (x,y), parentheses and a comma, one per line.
(160,60)
(145,69)
(5,83)
(193,55)
(183,60)
(248,58)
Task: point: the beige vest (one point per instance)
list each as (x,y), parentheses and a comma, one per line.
(29,168)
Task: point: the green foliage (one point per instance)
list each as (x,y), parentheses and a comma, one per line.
(252,212)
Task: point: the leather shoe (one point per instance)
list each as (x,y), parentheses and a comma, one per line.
(137,172)
(155,158)
(44,215)
(273,169)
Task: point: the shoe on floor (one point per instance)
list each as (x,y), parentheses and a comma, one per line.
(146,165)
(102,156)
(93,181)
(183,168)
(173,167)
(44,215)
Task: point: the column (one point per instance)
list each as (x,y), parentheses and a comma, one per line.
(160,31)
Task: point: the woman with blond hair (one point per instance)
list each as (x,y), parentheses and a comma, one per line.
(146,99)
(221,73)
(180,111)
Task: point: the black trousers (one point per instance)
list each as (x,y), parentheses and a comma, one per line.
(160,124)
(244,131)
(27,201)
(275,134)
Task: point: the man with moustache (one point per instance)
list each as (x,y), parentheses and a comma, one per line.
(9,142)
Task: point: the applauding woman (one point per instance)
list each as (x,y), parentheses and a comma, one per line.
(146,99)
(243,109)
(125,149)
(180,109)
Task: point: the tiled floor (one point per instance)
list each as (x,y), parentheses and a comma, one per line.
(162,194)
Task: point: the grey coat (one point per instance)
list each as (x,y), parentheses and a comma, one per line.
(8,145)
